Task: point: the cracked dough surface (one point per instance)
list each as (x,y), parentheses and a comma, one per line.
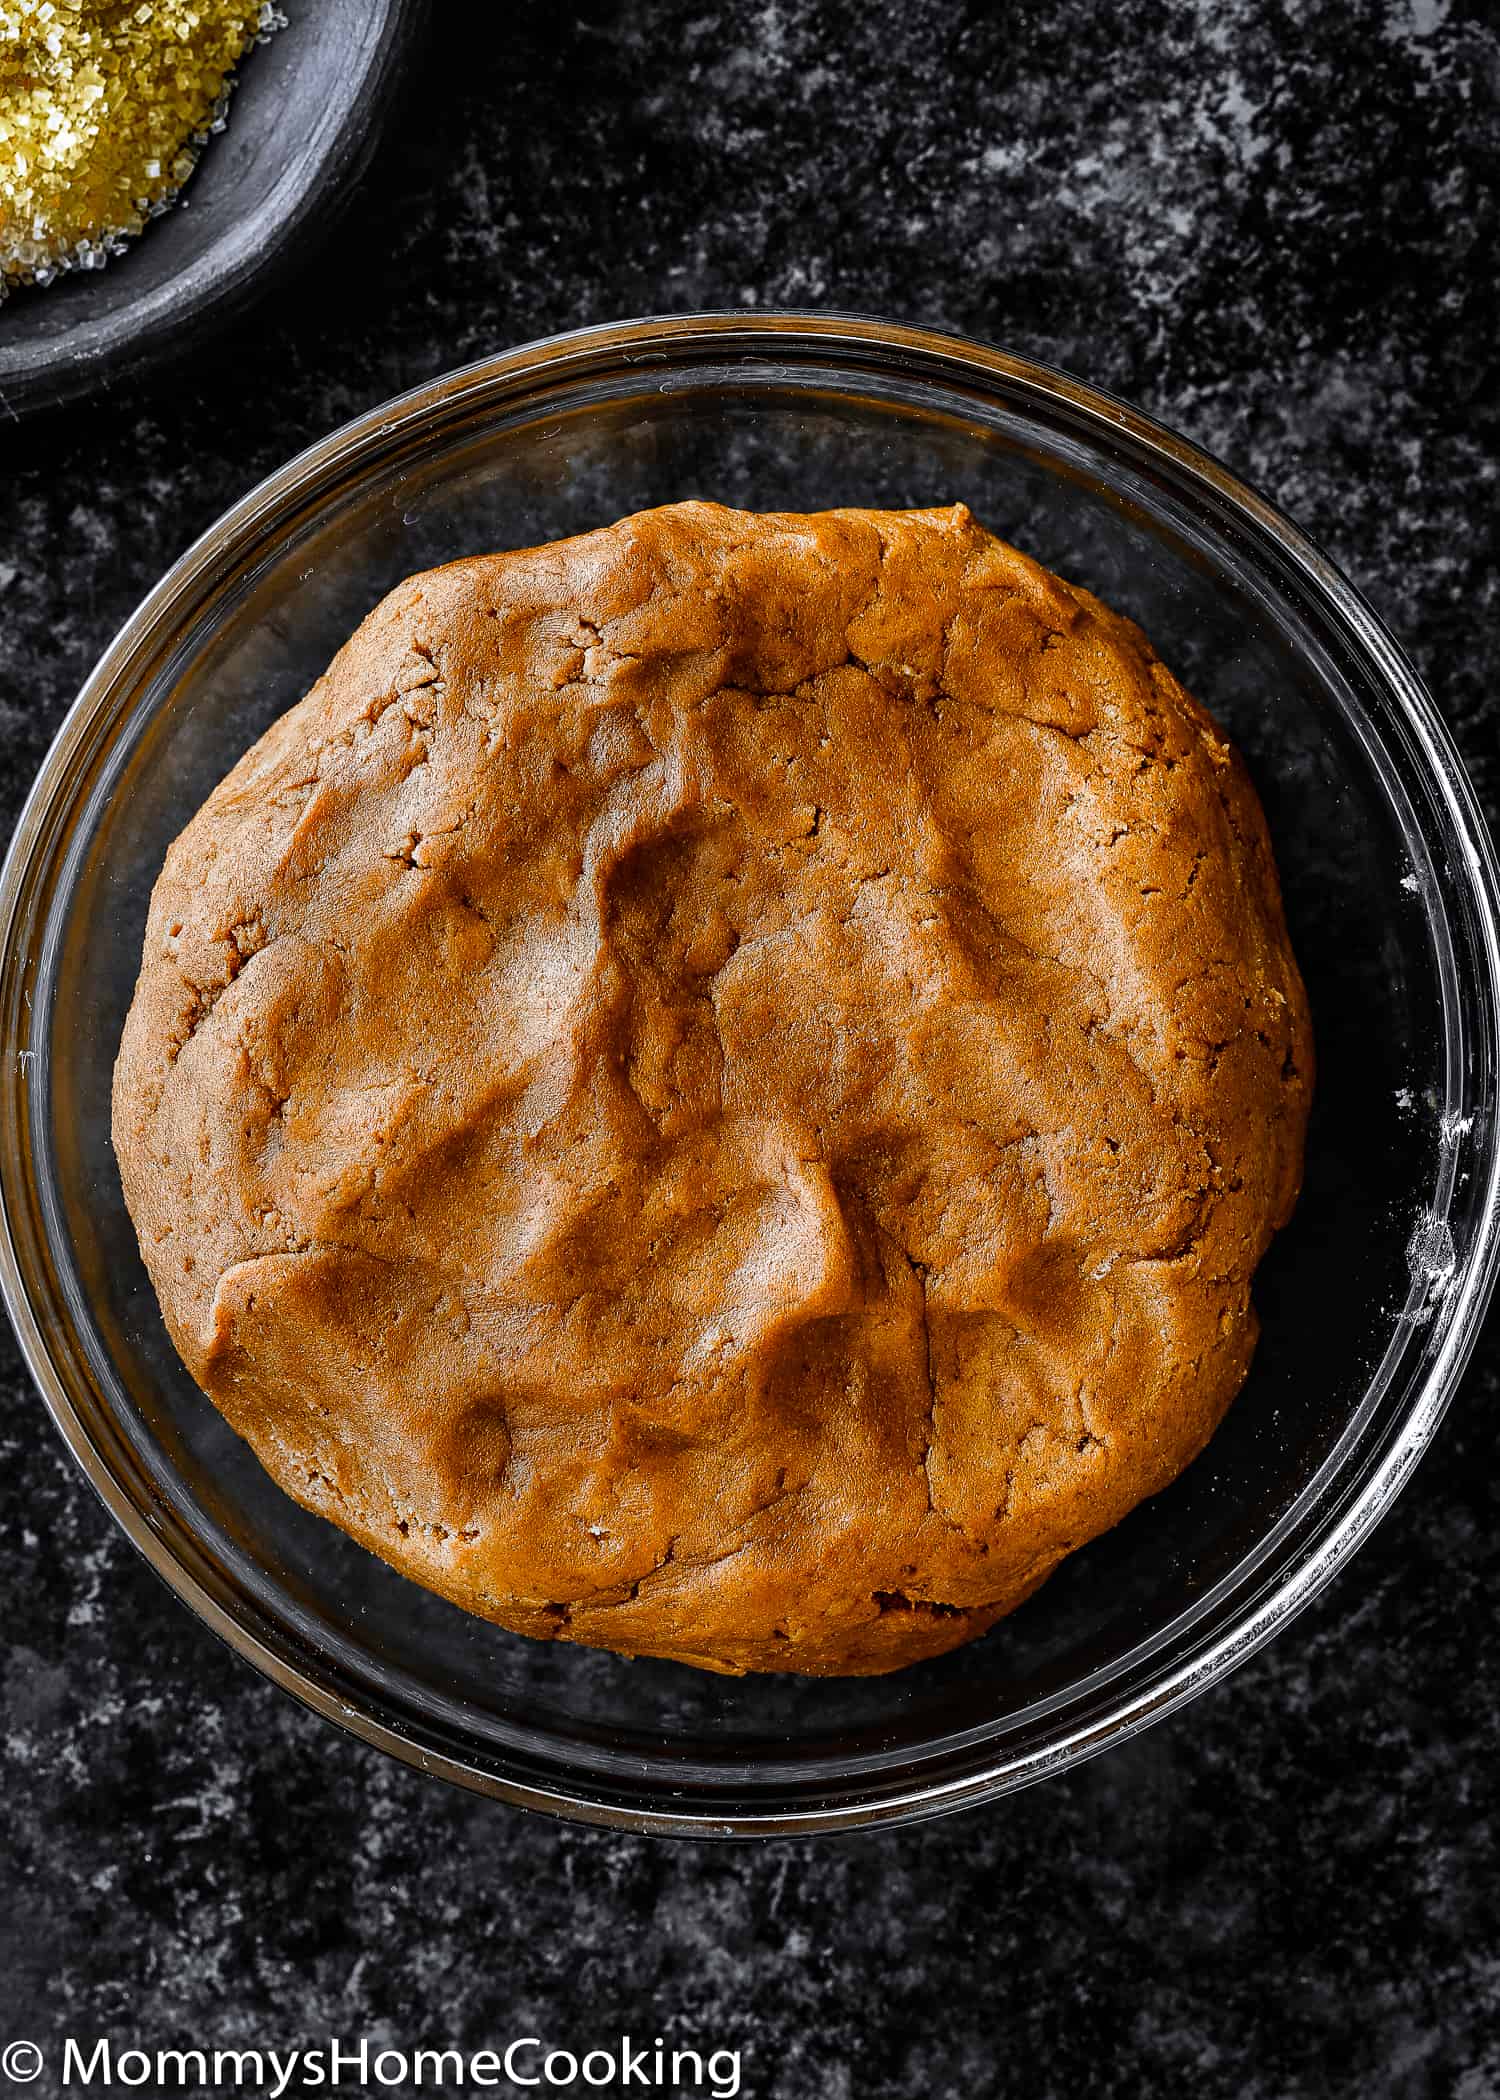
(717,1087)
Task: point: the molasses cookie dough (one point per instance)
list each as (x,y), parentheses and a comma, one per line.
(716,1089)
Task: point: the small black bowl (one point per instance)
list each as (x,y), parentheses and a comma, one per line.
(303,120)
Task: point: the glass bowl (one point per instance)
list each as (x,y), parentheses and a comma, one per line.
(1370,1300)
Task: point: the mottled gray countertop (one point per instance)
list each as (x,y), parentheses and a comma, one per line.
(1272,225)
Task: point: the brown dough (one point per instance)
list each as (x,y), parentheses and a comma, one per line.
(716,1088)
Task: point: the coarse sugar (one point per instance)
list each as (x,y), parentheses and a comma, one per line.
(104,105)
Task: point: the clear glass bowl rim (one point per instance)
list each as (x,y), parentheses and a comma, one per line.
(1316,1536)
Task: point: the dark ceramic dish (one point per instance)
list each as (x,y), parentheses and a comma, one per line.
(303,120)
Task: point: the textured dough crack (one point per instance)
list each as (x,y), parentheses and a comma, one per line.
(717,1088)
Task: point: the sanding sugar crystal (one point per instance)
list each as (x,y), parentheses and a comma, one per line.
(104,107)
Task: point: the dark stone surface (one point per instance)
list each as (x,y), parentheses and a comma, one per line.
(1274,226)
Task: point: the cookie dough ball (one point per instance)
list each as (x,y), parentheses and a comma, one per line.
(716,1089)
